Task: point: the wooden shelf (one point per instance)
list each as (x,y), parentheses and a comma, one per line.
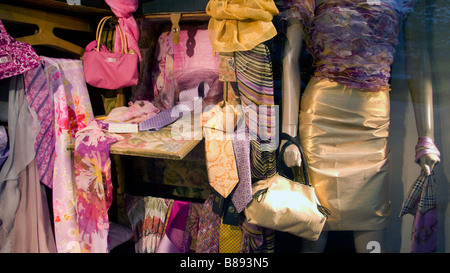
(162,144)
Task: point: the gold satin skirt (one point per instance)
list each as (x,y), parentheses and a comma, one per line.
(344,134)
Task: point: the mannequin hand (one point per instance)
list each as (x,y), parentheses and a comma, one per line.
(291,155)
(427,162)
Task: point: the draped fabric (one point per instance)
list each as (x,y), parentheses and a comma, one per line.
(22,130)
(73,112)
(209,229)
(15,57)
(32,228)
(172,241)
(189,240)
(148,218)
(343,132)
(94,189)
(240,25)
(352,41)
(421,203)
(40,99)
(123,9)
(255,84)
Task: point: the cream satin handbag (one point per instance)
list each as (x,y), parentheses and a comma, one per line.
(285,205)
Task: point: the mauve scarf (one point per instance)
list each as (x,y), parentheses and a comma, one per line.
(123,9)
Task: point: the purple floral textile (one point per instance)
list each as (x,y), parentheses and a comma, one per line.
(353,41)
(73,112)
(421,202)
(15,57)
(93,186)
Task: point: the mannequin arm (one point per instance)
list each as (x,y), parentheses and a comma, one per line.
(420,85)
(291,84)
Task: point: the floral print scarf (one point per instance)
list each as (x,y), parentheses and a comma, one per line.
(94,189)
(73,112)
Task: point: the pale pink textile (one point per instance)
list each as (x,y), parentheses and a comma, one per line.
(73,112)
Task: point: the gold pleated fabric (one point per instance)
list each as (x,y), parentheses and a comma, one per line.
(344,132)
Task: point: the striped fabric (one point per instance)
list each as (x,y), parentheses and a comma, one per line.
(255,84)
(263,163)
(40,100)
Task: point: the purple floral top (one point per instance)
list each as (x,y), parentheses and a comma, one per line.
(353,41)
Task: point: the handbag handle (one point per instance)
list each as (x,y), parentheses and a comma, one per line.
(296,142)
(98,35)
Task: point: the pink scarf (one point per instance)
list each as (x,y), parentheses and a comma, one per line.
(124,9)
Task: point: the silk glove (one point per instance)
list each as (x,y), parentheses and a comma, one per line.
(291,157)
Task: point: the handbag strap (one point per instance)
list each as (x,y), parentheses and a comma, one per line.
(296,142)
(98,35)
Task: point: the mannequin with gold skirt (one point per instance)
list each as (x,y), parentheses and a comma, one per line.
(343,123)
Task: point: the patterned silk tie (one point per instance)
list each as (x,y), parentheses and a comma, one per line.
(219,153)
(208,228)
(159,121)
(242,195)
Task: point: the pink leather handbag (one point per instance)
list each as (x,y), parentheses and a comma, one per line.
(110,70)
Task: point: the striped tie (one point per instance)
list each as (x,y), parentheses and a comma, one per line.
(255,84)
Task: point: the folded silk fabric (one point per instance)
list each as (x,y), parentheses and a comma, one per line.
(240,25)
(135,113)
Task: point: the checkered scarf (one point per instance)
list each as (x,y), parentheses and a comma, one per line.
(421,195)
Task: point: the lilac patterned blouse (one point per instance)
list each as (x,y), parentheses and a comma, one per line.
(352,41)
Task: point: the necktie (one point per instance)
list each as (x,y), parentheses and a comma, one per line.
(219,153)
(230,238)
(243,192)
(255,83)
(208,228)
(40,99)
(159,121)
